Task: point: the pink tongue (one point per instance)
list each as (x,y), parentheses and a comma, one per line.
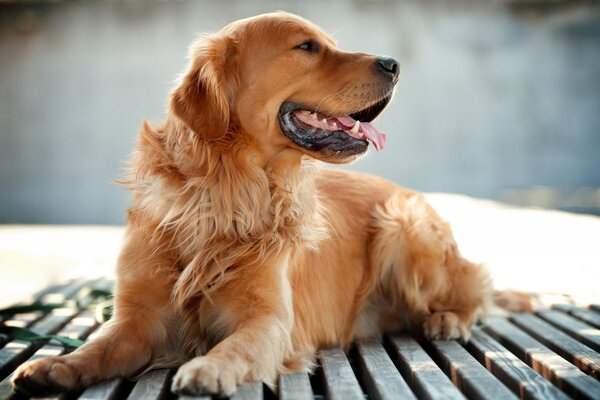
(366,130)
(379,139)
(346,122)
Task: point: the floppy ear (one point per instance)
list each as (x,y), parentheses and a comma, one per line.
(202,98)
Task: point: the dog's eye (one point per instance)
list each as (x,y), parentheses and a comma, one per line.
(310,46)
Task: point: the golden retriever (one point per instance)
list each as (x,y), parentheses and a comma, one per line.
(242,257)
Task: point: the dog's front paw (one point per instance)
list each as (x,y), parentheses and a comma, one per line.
(204,375)
(446,325)
(45,376)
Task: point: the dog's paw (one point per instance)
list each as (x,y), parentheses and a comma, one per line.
(202,375)
(446,325)
(45,376)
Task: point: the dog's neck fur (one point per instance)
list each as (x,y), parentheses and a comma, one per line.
(217,206)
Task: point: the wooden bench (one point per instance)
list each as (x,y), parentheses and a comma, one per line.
(552,354)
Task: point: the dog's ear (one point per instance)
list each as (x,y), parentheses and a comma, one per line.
(203,97)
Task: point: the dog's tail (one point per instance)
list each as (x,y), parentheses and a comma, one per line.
(508,301)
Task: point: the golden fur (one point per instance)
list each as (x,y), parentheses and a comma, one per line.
(242,257)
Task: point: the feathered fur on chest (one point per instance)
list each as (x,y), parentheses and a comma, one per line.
(219,208)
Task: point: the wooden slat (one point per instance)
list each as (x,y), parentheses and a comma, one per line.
(153,385)
(467,373)
(423,375)
(513,372)
(52,288)
(380,376)
(24,320)
(295,387)
(111,389)
(248,391)
(577,353)
(51,294)
(63,292)
(6,391)
(543,360)
(587,316)
(581,331)
(78,328)
(17,351)
(339,379)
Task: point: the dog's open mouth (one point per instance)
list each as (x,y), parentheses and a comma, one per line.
(338,135)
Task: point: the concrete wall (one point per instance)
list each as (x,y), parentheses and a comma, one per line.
(487,101)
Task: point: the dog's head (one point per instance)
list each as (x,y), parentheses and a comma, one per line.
(282,81)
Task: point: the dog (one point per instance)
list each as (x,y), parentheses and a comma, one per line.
(242,256)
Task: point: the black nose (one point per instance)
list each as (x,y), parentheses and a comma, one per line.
(388,66)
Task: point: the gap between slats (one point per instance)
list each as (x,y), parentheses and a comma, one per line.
(513,372)
(16,352)
(543,360)
(375,372)
(423,375)
(471,377)
(581,331)
(588,316)
(573,351)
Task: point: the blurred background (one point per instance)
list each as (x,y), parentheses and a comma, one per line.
(497,100)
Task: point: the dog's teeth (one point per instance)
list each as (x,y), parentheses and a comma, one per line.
(334,124)
(305,112)
(314,116)
(356,127)
(360,134)
(324,120)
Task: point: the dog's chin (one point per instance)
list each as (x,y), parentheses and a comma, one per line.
(331,144)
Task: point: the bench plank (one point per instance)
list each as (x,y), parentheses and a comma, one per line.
(248,391)
(153,385)
(78,328)
(379,374)
(513,372)
(295,387)
(111,389)
(6,391)
(17,351)
(339,379)
(581,331)
(63,293)
(467,373)
(543,360)
(534,343)
(49,295)
(575,352)
(587,316)
(22,320)
(423,375)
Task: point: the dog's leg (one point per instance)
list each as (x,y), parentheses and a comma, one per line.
(259,322)
(421,271)
(124,345)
